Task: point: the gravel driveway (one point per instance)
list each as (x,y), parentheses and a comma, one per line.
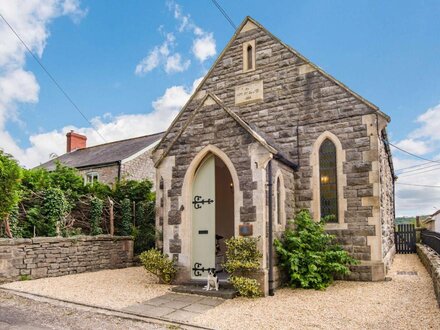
(117,288)
(405,302)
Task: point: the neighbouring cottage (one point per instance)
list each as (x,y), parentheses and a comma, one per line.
(265,123)
(108,163)
(432,222)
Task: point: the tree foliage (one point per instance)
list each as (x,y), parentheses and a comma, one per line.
(10,177)
(309,256)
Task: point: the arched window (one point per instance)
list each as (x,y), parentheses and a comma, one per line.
(249,54)
(328,180)
(279,201)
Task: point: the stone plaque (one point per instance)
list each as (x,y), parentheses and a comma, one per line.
(249,92)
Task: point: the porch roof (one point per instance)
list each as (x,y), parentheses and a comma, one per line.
(266,142)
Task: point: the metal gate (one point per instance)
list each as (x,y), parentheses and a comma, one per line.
(405,238)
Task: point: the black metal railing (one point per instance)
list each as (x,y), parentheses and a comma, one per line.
(432,239)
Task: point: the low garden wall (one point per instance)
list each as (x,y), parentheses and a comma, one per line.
(431,260)
(55,256)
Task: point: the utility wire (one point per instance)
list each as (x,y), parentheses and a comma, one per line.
(422,169)
(416,185)
(409,174)
(224,14)
(414,155)
(404,168)
(51,77)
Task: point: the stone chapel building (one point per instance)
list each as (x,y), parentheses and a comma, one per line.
(266,134)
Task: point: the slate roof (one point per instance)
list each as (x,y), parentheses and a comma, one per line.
(106,153)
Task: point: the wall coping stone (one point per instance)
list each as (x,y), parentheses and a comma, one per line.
(431,261)
(82,238)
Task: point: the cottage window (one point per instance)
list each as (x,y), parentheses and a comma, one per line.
(91,178)
(328,180)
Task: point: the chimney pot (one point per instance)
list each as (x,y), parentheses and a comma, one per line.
(75,141)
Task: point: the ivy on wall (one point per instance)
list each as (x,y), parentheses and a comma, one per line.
(37,202)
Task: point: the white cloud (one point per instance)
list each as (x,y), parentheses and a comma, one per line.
(417,147)
(30,20)
(204,47)
(174,64)
(416,200)
(165,109)
(158,55)
(430,125)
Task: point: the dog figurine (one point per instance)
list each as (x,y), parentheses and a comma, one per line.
(212,282)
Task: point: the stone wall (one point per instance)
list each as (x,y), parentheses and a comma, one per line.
(431,261)
(386,203)
(139,168)
(53,256)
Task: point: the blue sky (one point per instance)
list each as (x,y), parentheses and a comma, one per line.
(387,51)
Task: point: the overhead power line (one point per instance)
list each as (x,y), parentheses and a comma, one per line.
(223,12)
(51,77)
(416,185)
(409,174)
(414,155)
(422,169)
(418,165)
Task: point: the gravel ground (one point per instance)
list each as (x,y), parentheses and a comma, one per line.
(116,288)
(20,313)
(405,302)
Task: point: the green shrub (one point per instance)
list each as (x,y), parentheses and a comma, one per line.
(309,256)
(242,258)
(25,277)
(246,287)
(96,208)
(159,264)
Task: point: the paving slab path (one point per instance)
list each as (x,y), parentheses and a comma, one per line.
(175,306)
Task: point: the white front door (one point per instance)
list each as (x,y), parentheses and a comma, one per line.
(203,219)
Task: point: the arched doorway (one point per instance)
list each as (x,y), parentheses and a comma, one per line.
(212,215)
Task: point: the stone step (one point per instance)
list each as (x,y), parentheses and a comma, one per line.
(224,293)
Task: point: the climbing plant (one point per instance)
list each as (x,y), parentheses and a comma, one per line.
(96,211)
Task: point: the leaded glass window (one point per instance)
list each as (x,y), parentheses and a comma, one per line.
(328,180)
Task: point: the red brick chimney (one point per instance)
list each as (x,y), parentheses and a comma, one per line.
(75,141)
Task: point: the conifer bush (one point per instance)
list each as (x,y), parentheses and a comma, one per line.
(96,210)
(126,217)
(309,255)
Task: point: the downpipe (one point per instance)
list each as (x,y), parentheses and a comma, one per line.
(270,248)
